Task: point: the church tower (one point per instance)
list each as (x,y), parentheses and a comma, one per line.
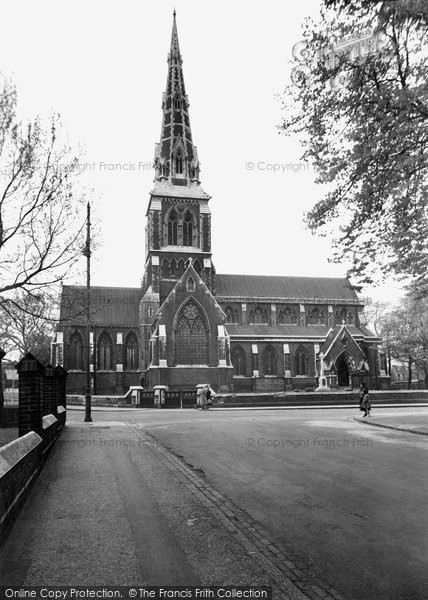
(178,216)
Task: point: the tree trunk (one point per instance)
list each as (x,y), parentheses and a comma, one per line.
(389,363)
(409,380)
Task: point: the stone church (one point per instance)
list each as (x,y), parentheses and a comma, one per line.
(187,324)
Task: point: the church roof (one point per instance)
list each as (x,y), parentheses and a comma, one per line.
(291,331)
(167,189)
(302,288)
(110,306)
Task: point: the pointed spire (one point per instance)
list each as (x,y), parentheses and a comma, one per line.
(176,158)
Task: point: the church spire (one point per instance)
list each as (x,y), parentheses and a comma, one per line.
(176,158)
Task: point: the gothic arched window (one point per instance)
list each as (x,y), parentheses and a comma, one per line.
(258,316)
(316,316)
(238,360)
(191,337)
(105,352)
(301,361)
(165,269)
(179,163)
(181,267)
(287,316)
(130,352)
(75,352)
(177,102)
(190,284)
(341,316)
(188,229)
(270,361)
(172,228)
(173,269)
(198,267)
(232,315)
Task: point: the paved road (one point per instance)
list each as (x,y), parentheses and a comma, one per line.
(346,497)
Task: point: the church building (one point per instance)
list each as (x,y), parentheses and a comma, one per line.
(187,324)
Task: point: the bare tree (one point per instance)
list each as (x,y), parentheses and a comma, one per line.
(41,206)
(42,219)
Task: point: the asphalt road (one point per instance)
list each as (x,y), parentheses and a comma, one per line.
(349,498)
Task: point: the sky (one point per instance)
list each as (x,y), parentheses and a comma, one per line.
(102,66)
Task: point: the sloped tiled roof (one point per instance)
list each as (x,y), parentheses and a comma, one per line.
(291,331)
(269,286)
(109,305)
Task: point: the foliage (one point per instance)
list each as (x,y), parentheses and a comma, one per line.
(361,113)
(405,332)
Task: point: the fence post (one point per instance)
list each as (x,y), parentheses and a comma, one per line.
(30,394)
(50,392)
(61,386)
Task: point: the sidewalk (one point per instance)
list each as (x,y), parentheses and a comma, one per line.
(113,507)
(417,424)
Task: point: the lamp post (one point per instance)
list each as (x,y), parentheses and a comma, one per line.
(87,253)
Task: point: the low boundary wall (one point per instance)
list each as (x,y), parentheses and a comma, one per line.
(20,463)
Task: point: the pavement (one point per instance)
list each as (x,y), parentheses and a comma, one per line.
(112,507)
(410,423)
(313,503)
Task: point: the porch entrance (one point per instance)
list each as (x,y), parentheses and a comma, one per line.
(342,371)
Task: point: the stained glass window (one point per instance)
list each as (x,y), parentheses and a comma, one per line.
(75,353)
(238,360)
(191,337)
(131,353)
(188,229)
(301,361)
(270,361)
(105,352)
(172,228)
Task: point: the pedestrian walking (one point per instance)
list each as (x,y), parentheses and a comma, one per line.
(366,404)
(204,398)
(361,394)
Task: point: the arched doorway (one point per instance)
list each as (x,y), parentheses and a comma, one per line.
(342,369)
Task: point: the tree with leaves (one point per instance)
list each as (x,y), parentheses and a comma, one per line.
(405,334)
(359,105)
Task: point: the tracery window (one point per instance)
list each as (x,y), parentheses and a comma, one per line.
(105,352)
(188,229)
(232,314)
(198,267)
(173,269)
(316,316)
(130,353)
(340,316)
(287,316)
(179,163)
(301,361)
(191,337)
(258,315)
(172,228)
(75,352)
(165,269)
(238,360)
(181,267)
(270,361)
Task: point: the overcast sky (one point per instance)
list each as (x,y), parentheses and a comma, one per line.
(102,66)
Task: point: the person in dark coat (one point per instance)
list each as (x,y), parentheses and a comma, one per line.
(361,394)
(366,404)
